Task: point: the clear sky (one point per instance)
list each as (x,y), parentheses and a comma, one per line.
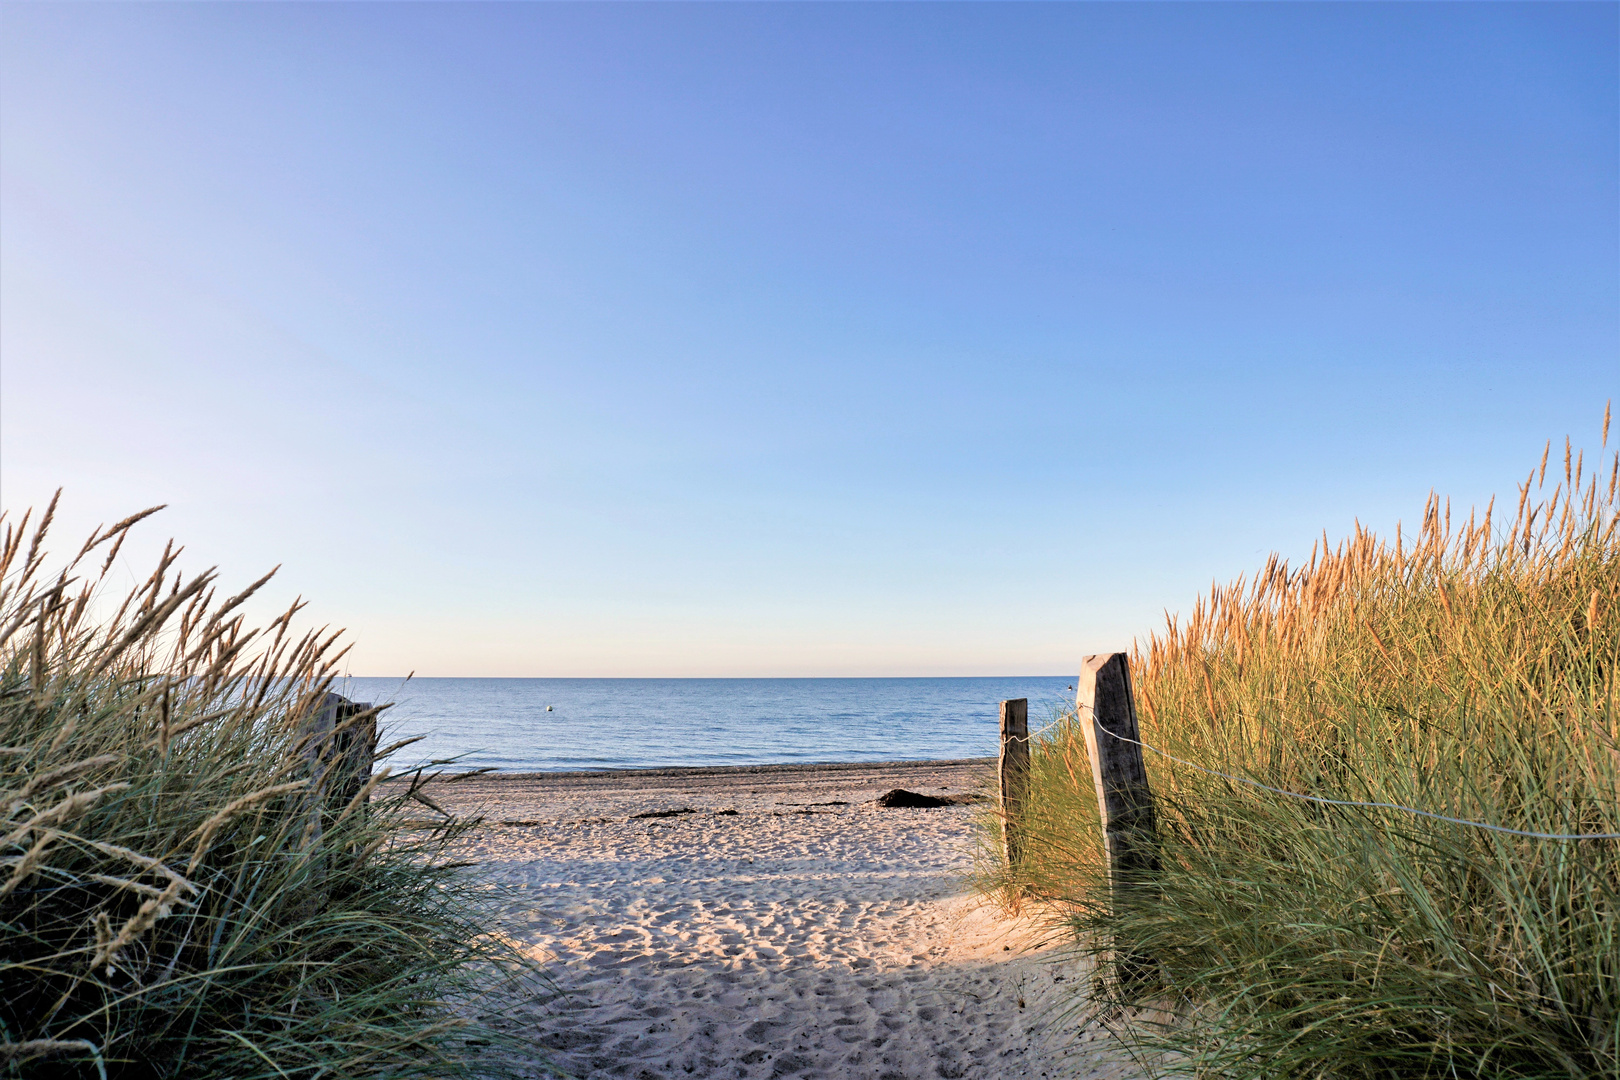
(792,339)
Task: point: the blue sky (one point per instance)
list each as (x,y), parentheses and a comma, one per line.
(792,339)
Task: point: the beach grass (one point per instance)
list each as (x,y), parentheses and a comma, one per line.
(1469,671)
(180,896)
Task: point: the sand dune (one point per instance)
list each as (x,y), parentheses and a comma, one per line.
(780,925)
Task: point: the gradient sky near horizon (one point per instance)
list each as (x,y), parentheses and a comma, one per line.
(838,339)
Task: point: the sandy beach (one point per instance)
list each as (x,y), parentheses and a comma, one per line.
(770,922)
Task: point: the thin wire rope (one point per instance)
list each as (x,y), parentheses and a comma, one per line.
(1368,805)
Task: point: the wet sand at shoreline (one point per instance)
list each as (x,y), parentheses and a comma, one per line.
(777,924)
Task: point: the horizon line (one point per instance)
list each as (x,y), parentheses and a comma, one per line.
(419,678)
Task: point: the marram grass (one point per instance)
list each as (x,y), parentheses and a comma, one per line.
(176,900)
(1469,671)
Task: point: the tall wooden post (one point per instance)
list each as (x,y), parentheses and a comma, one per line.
(1107,712)
(1014,775)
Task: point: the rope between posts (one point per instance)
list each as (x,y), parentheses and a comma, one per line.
(1367,805)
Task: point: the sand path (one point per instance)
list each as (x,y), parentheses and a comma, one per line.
(786,927)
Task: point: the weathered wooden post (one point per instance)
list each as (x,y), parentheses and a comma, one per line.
(1014,776)
(1107,712)
(340,743)
(354,747)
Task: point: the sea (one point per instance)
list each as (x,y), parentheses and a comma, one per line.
(547,725)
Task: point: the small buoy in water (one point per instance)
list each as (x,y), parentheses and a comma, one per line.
(548,708)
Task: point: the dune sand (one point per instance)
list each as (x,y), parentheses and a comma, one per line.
(786,926)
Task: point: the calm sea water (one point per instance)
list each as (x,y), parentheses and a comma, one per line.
(635,723)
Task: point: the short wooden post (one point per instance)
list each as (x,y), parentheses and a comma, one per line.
(341,741)
(1107,712)
(355,746)
(1014,775)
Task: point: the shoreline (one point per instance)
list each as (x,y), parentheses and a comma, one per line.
(631,771)
(509,798)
